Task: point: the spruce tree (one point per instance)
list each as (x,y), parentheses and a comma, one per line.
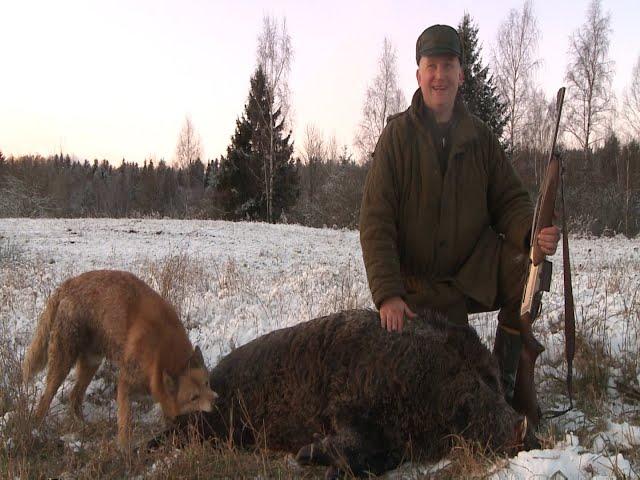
(478,88)
(245,171)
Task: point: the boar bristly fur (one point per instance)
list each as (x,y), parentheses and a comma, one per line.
(341,391)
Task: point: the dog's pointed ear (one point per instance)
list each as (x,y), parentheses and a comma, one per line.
(169,383)
(197,360)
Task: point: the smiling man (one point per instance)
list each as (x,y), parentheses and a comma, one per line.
(445,221)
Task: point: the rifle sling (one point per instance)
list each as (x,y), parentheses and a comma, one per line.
(569,308)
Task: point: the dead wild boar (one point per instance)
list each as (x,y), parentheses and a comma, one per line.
(343,392)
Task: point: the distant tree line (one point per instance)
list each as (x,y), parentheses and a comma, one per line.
(57,186)
(602,192)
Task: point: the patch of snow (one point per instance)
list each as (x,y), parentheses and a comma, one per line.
(567,457)
(6,418)
(72,442)
(618,436)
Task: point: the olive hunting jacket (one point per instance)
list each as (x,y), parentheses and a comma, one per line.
(431,238)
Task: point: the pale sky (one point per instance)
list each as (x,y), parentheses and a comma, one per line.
(116,78)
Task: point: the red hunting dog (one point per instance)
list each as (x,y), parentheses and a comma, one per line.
(115,315)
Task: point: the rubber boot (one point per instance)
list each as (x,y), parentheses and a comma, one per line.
(507,348)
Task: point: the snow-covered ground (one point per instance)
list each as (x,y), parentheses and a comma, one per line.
(240,280)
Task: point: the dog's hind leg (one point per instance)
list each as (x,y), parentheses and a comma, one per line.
(86,368)
(61,359)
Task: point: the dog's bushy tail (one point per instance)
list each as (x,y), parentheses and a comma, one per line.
(36,357)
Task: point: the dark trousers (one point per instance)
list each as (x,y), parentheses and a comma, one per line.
(512,271)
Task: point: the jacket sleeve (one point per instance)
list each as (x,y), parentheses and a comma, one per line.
(378,223)
(509,202)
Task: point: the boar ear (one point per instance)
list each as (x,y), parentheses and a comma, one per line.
(168,382)
(197,360)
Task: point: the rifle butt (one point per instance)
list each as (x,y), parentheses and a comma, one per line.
(525,398)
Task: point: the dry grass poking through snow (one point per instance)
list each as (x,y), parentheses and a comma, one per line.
(178,278)
(226,301)
(606,383)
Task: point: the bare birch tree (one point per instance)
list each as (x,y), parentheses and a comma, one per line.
(313,144)
(274,55)
(383,98)
(631,103)
(631,118)
(515,60)
(589,77)
(332,152)
(189,147)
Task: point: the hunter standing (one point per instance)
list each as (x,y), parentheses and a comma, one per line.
(445,220)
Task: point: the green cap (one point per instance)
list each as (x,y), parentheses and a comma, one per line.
(438,40)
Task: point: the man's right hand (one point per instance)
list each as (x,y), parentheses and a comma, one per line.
(392,312)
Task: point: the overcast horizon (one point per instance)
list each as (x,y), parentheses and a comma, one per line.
(113,80)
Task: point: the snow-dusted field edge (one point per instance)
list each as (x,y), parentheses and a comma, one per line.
(251,278)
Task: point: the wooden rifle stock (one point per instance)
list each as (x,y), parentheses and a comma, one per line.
(538,281)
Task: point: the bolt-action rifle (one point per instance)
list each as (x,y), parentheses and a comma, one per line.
(538,281)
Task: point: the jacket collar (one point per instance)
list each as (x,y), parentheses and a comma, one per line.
(462,128)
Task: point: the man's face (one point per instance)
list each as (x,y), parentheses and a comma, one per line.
(439,77)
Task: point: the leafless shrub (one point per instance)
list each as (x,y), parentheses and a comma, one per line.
(177,278)
(17,199)
(584,226)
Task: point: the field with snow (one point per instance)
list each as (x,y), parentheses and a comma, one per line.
(232,282)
